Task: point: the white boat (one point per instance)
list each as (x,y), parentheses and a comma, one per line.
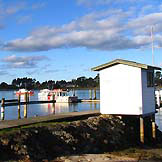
(43,94)
(59,95)
(24,91)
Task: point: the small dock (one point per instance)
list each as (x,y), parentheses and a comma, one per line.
(71,116)
(89,100)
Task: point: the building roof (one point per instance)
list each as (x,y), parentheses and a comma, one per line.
(125,62)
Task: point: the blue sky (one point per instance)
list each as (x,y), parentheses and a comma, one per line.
(64,39)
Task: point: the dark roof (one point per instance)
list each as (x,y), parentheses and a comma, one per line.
(125,62)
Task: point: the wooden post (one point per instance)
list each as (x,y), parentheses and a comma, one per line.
(142,129)
(19,116)
(2,108)
(153,127)
(53,108)
(53,97)
(90,94)
(159,99)
(19,99)
(25,110)
(94,94)
(28,97)
(25,97)
(73,92)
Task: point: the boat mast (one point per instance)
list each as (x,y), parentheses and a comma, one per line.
(152,39)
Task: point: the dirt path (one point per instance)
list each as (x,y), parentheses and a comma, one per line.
(100,158)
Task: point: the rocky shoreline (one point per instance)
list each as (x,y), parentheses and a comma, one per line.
(99,134)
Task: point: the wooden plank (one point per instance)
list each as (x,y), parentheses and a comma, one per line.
(153,127)
(90,100)
(13,100)
(30,102)
(142,129)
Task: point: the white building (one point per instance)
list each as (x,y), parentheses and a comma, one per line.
(126,88)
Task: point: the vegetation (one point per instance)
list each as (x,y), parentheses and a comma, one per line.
(158,79)
(29,83)
(80,82)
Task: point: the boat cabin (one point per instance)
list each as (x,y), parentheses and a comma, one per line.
(60,92)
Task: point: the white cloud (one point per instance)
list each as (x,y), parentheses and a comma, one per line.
(15,8)
(14,61)
(24,19)
(38,5)
(12,7)
(90,3)
(106,30)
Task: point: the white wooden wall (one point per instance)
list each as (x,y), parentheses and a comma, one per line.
(121,90)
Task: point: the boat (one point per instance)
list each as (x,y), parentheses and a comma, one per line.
(43,94)
(59,95)
(24,91)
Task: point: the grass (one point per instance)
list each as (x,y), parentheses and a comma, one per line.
(36,125)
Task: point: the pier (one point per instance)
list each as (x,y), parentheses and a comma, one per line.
(25,101)
(53,117)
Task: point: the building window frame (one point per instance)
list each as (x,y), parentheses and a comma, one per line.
(150,79)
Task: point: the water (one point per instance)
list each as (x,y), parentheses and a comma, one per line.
(158,118)
(11,112)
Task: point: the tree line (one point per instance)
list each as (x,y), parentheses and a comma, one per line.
(80,82)
(30,83)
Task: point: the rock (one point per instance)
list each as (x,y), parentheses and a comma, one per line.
(67,160)
(36,131)
(105,141)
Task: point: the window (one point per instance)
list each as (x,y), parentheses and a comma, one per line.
(150,79)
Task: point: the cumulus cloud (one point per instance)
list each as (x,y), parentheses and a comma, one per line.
(14,61)
(106,30)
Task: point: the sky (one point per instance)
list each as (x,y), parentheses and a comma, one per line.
(64,39)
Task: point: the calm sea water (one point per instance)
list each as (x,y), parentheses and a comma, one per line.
(11,112)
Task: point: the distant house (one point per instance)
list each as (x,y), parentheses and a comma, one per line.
(126,88)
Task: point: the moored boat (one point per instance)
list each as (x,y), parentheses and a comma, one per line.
(59,95)
(43,94)
(24,91)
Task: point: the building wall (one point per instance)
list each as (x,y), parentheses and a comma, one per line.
(121,90)
(148,95)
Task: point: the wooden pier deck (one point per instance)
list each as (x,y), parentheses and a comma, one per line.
(53,117)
